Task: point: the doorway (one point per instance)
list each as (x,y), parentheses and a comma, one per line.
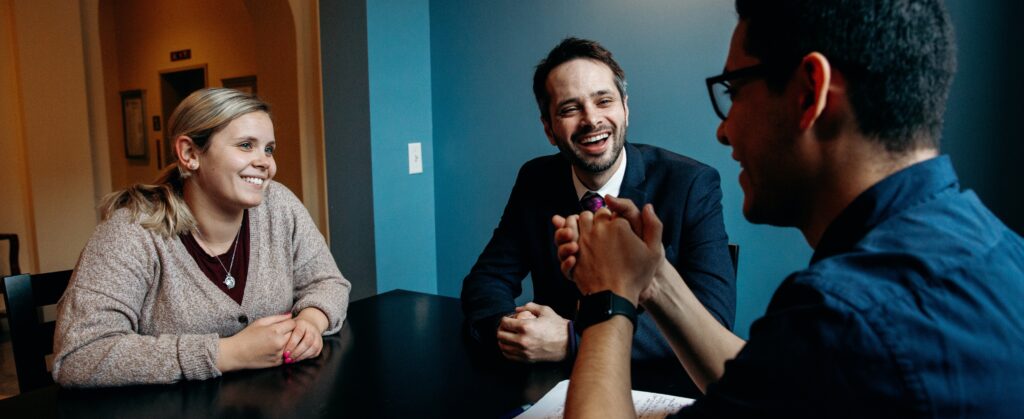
(175,86)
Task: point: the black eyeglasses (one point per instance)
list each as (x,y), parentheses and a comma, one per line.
(720,87)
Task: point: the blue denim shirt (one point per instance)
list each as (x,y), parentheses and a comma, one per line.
(912,307)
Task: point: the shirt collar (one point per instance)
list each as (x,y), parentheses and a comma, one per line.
(888,198)
(611,187)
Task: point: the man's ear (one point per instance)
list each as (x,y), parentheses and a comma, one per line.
(187,152)
(547,130)
(814,78)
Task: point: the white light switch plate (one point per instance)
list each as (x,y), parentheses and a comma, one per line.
(415,158)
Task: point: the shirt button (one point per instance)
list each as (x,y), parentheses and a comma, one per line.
(243,319)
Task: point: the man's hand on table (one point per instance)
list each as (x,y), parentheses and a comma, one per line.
(534,333)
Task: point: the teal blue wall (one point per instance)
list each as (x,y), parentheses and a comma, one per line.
(486,123)
(398,35)
(456,75)
(377,99)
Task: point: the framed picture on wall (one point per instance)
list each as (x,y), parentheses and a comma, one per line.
(133,115)
(246,84)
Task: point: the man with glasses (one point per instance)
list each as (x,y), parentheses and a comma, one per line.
(581,93)
(911,306)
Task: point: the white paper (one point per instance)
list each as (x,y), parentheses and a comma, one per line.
(648,405)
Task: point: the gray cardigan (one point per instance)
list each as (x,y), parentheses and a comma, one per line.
(139,310)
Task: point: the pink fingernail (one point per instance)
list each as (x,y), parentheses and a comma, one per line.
(287,354)
(288,360)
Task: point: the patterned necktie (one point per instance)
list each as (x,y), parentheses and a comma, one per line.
(592,201)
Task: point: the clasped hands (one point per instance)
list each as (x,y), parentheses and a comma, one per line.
(533,333)
(273,340)
(618,248)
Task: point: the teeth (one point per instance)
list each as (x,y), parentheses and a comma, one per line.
(253,180)
(595,139)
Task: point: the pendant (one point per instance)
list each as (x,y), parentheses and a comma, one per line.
(229,281)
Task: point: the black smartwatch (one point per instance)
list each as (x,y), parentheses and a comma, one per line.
(600,306)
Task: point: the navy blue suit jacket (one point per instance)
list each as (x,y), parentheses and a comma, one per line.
(687,198)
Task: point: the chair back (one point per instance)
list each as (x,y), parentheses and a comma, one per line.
(31,337)
(734,253)
(12,250)
(12,253)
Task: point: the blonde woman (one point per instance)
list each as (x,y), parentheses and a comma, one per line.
(214,268)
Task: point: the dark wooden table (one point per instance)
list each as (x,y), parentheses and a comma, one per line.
(400,354)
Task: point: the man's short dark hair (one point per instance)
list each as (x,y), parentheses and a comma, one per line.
(570,49)
(898,57)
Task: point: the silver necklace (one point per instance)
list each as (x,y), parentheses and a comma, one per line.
(229,281)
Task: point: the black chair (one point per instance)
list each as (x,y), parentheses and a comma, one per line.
(13,252)
(31,337)
(734,253)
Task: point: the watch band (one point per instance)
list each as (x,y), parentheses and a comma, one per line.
(600,306)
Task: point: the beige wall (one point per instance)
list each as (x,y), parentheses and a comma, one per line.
(60,135)
(310,105)
(107,104)
(230,38)
(61,142)
(14,215)
(97,102)
(145,33)
(276,67)
(49,72)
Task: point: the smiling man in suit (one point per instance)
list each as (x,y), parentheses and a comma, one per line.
(581,93)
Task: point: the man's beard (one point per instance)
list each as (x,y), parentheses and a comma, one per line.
(592,165)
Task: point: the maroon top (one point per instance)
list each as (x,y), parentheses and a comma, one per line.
(214,271)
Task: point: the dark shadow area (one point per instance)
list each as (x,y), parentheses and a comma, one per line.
(175,86)
(982,120)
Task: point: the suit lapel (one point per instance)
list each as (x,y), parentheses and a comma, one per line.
(633,181)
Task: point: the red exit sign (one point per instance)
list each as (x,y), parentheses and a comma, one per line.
(181,55)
